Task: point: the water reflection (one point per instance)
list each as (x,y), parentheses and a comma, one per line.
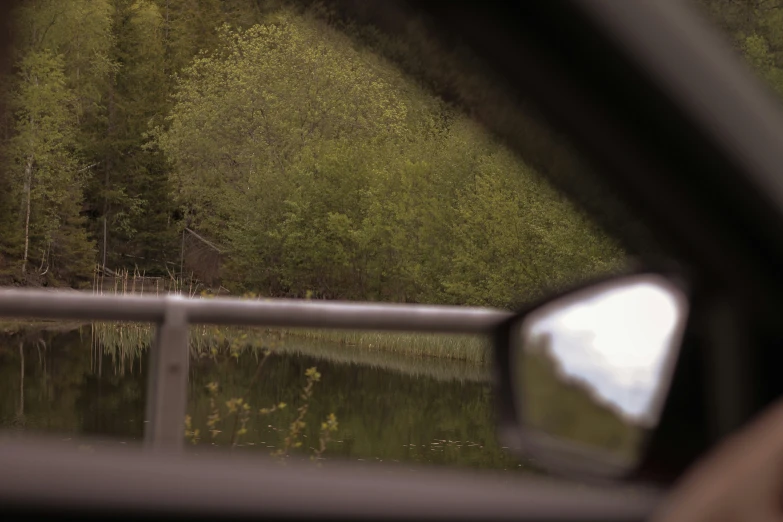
(55,381)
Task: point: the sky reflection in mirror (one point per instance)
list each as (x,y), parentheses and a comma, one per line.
(617,340)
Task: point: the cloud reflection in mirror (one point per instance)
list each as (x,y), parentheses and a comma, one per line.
(615,339)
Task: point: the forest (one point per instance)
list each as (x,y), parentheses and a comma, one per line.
(285,151)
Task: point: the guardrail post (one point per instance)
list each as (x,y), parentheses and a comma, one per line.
(168,379)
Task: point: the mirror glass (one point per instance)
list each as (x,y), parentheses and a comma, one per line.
(593,368)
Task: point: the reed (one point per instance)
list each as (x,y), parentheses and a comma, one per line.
(470,348)
(123,339)
(206,338)
(125,282)
(441,369)
(443,357)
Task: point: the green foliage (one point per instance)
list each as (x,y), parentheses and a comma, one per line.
(315,164)
(130,187)
(250,119)
(755,28)
(290,136)
(326,175)
(118,58)
(238,409)
(400,415)
(292,440)
(45,173)
(762,59)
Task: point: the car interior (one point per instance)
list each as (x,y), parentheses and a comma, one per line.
(668,141)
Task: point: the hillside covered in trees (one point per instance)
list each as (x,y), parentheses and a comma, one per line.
(287,145)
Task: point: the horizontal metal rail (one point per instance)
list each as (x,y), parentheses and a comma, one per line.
(169,358)
(46,304)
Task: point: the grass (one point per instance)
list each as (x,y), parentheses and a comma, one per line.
(443,357)
(469,348)
(204,338)
(442,369)
(124,282)
(16,325)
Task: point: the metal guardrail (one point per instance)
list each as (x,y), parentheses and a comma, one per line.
(167,385)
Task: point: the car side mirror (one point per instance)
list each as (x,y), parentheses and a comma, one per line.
(583,377)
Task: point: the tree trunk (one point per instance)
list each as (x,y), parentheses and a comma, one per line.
(28,180)
(107,172)
(28,186)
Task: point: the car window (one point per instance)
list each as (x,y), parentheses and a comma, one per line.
(279,149)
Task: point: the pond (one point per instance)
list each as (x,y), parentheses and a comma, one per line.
(417,411)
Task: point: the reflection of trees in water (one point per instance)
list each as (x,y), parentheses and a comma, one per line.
(19,419)
(49,385)
(125,344)
(383,415)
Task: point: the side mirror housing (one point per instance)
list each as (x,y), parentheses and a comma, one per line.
(583,378)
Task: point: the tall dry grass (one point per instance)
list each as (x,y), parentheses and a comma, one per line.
(125,341)
(439,356)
